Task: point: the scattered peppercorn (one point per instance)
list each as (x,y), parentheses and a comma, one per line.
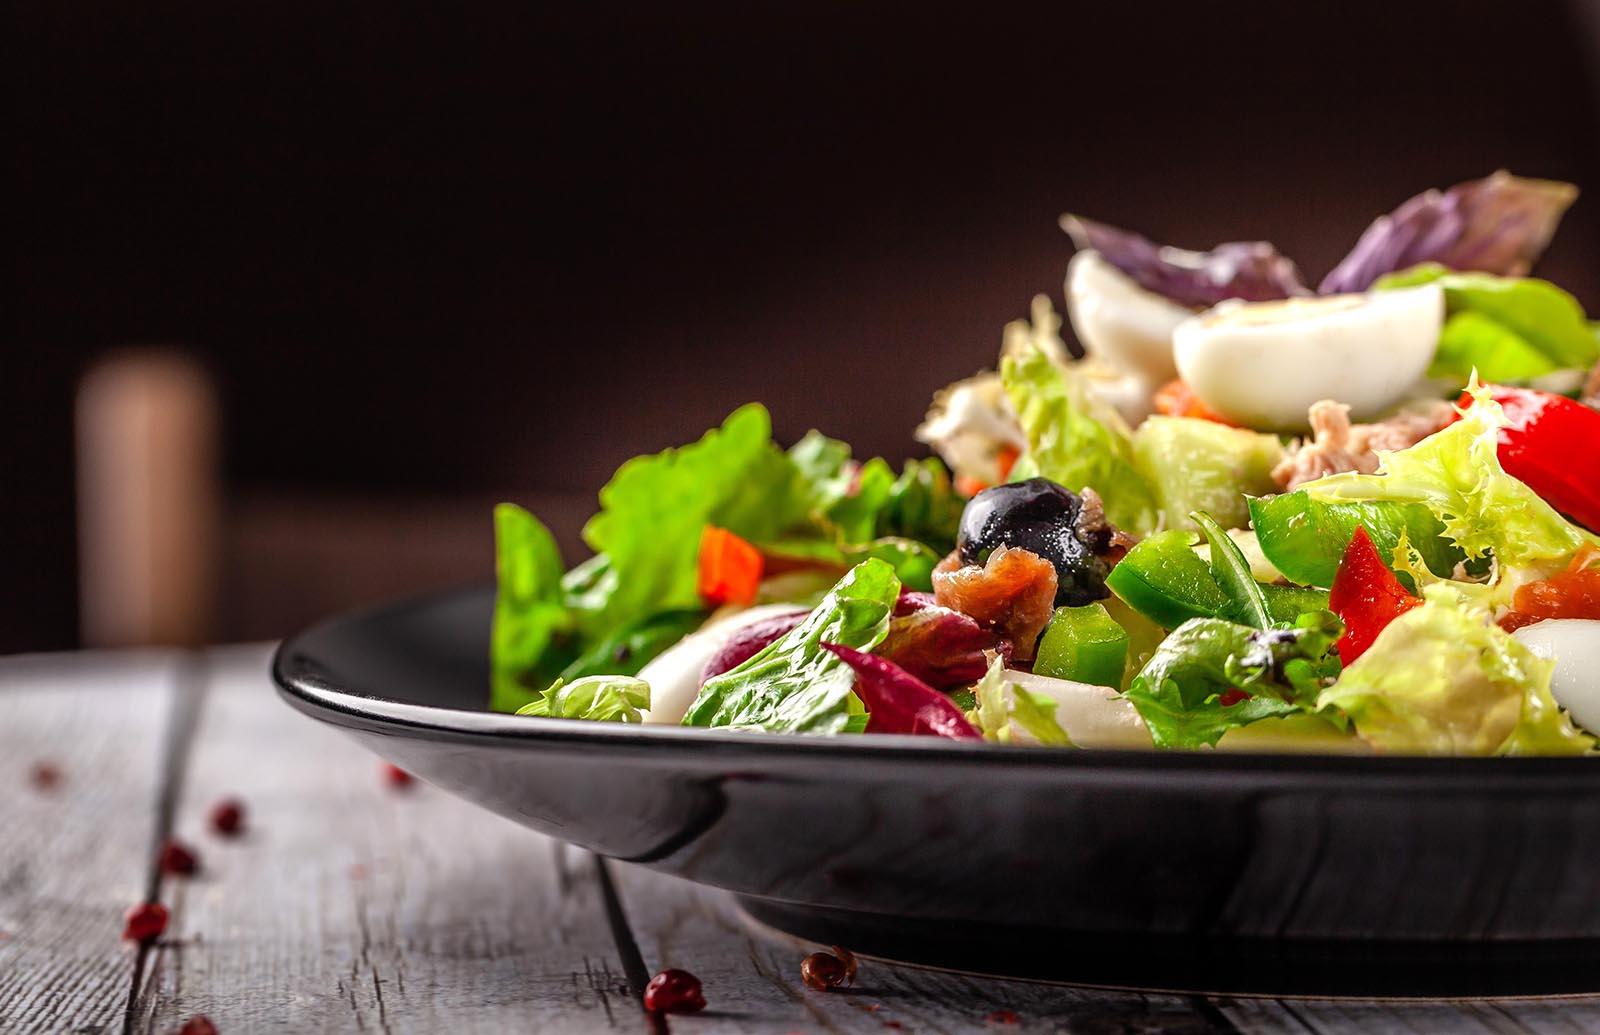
(199,1024)
(177,858)
(145,922)
(848,958)
(44,776)
(1002,1017)
(227,817)
(394,776)
(674,991)
(823,970)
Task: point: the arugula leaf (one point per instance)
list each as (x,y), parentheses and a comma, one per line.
(794,684)
(529,610)
(1075,440)
(1305,537)
(1179,693)
(596,698)
(1246,602)
(1507,328)
(1443,679)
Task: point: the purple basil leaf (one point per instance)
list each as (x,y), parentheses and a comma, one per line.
(746,642)
(1499,224)
(941,647)
(1251,270)
(898,702)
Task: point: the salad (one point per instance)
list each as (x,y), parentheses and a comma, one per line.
(1230,511)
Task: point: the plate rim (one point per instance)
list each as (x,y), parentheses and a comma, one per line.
(306,690)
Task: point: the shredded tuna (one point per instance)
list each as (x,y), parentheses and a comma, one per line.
(1337,445)
(1013,594)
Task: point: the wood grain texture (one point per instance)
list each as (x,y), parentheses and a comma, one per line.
(74,857)
(350,905)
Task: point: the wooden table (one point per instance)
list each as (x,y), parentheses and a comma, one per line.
(350,904)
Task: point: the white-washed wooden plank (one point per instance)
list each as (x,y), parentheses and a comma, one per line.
(74,857)
(349,905)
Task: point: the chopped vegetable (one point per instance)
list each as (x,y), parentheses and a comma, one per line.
(939,646)
(898,702)
(1553,445)
(1499,224)
(1250,270)
(1442,679)
(796,684)
(1202,465)
(1306,537)
(529,609)
(1366,596)
(730,568)
(1006,712)
(1505,328)
(1211,675)
(1075,441)
(1574,593)
(1177,399)
(1246,602)
(1083,644)
(1165,581)
(598,698)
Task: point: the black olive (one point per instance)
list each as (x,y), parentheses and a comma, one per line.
(1041,517)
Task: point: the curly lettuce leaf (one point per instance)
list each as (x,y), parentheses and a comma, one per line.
(530,613)
(1007,713)
(795,684)
(1499,224)
(595,698)
(1505,328)
(1443,679)
(1456,474)
(1075,440)
(1251,270)
(1189,693)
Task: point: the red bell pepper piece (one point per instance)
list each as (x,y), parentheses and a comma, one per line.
(1574,593)
(1552,445)
(730,568)
(1366,596)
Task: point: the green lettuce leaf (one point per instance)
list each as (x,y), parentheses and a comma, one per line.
(627,650)
(1305,537)
(653,510)
(596,698)
(530,615)
(1507,328)
(1179,691)
(795,685)
(1075,440)
(1456,474)
(1443,679)
(1006,713)
(1246,603)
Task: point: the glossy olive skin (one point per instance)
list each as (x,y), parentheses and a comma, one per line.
(1041,517)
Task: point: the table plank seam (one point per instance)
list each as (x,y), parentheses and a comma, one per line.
(633,967)
(184,703)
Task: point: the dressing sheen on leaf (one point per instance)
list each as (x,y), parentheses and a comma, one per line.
(795,683)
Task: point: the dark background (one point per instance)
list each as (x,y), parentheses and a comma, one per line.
(435,257)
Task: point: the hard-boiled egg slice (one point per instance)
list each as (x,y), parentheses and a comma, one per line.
(1119,322)
(1574,643)
(1262,364)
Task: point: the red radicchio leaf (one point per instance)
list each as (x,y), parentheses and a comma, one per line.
(1251,270)
(1499,224)
(746,642)
(898,702)
(940,646)
(911,601)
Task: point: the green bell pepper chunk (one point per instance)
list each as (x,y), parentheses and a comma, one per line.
(1166,581)
(1083,644)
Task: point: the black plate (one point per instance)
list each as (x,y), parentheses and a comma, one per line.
(1225,873)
